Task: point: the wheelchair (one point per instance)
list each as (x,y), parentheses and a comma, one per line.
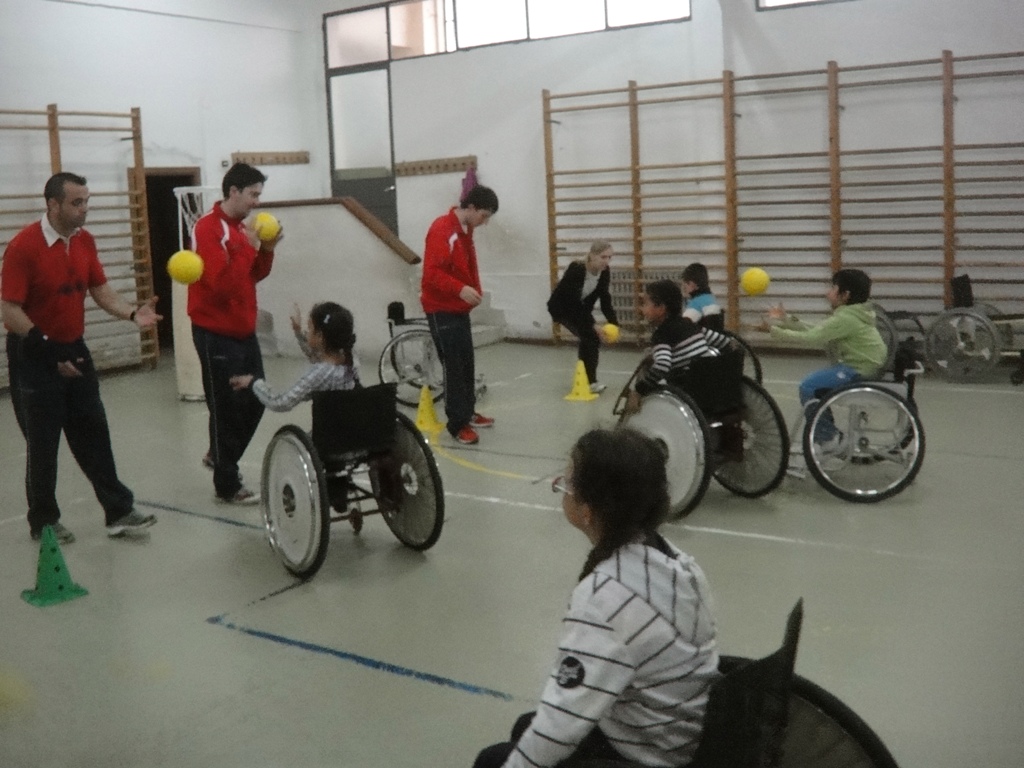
(761,713)
(712,421)
(969,339)
(361,450)
(410,359)
(882,445)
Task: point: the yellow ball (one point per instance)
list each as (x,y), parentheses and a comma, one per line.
(266,226)
(185,266)
(754,281)
(611,333)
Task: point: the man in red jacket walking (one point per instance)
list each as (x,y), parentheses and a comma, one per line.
(222,307)
(449,291)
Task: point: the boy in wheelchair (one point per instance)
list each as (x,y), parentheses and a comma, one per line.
(849,334)
(705,364)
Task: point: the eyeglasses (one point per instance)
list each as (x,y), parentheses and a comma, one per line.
(561,485)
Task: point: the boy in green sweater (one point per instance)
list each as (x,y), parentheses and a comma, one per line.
(849,334)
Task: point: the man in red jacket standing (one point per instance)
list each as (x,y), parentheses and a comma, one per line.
(449,291)
(222,307)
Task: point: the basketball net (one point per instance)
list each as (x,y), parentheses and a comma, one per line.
(193,202)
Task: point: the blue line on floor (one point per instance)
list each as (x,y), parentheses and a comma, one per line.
(215,518)
(363,660)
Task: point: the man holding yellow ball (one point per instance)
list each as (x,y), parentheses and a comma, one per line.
(222,307)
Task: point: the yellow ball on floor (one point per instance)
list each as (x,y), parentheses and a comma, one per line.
(611,332)
(266,226)
(185,267)
(754,281)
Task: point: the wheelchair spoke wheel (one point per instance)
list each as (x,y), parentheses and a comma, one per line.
(408,488)
(963,344)
(410,360)
(881,447)
(295,505)
(673,420)
(765,451)
(751,363)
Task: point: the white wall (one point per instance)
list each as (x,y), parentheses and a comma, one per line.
(210,78)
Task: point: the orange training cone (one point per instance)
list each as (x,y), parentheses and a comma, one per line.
(580,385)
(426,416)
(53,582)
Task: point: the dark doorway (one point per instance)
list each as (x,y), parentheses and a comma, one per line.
(163,238)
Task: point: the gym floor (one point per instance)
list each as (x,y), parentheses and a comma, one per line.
(194,647)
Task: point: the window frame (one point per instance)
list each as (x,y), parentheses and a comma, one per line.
(386,5)
(795,4)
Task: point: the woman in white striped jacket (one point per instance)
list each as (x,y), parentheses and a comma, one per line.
(637,657)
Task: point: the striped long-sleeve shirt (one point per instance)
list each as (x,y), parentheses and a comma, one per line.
(636,660)
(319,377)
(674,344)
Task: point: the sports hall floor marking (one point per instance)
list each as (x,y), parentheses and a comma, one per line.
(365,661)
(477,467)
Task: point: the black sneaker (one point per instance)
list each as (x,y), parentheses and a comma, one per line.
(64,536)
(133,522)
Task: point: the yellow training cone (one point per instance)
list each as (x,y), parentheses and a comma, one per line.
(426,416)
(580,385)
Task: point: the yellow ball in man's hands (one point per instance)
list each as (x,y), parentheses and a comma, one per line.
(611,332)
(266,226)
(754,281)
(185,267)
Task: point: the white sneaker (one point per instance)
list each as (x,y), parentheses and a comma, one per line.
(597,388)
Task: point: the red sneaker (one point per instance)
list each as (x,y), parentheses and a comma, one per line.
(480,421)
(468,436)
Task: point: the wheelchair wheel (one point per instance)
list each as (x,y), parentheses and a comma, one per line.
(963,343)
(410,359)
(296,509)
(751,364)
(765,446)
(408,488)
(882,445)
(887,330)
(670,417)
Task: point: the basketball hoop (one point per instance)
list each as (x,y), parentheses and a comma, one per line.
(193,202)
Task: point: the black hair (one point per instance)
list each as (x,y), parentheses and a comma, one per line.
(697,274)
(620,474)
(54,189)
(480,197)
(240,176)
(855,282)
(667,294)
(336,325)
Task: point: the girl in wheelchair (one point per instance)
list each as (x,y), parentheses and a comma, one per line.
(329,340)
(638,654)
(851,337)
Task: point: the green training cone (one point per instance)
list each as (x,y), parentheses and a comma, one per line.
(53,582)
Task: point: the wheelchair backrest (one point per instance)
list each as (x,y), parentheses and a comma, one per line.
(714,383)
(350,420)
(963,293)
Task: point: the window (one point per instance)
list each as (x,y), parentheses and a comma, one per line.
(479,22)
(763,4)
(407,28)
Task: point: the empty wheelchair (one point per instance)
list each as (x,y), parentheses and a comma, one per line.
(711,422)
(363,458)
(881,440)
(410,359)
(970,338)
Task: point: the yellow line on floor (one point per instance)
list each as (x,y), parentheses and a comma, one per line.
(478,467)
